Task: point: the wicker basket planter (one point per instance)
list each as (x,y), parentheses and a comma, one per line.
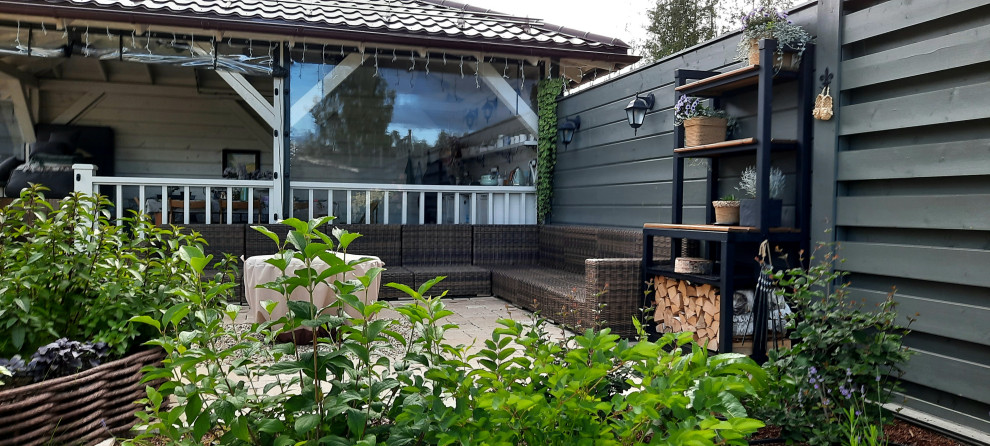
(704,130)
(726,212)
(787,62)
(80,409)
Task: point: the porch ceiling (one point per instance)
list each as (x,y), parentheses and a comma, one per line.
(427,23)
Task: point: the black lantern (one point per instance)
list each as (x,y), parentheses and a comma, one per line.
(568,128)
(637,108)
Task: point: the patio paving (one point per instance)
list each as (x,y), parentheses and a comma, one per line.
(475,318)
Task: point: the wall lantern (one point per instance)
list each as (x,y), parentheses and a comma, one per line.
(637,108)
(568,128)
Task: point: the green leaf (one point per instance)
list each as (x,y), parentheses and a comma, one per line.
(17,336)
(270,425)
(306,423)
(268,234)
(356,420)
(201,426)
(147,320)
(298,240)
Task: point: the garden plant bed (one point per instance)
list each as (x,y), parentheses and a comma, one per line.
(81,408)
(899,432)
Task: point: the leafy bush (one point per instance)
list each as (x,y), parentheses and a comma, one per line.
(522,388)
(69,271)
(843,357)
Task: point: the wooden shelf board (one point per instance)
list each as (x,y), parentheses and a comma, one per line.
(747,70)
(717,145)
(733,146)
(715,228)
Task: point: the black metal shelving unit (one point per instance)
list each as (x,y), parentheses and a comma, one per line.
(724,243)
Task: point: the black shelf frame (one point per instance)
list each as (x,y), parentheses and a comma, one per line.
(722,244)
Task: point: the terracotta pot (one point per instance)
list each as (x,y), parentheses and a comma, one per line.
(704,130)
(726,212)
(787,62)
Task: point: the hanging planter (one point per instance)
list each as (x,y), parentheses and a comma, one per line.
(783,61)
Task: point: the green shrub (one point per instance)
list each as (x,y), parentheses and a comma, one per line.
(68,271)
(845,357)
(522,388)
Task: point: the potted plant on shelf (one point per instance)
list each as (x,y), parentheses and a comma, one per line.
(767,23)
(702,124)
(726,210)
(748,215)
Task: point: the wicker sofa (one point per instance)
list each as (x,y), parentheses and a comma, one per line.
(577,275)
(581,276)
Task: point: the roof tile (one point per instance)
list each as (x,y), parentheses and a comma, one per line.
(413,17)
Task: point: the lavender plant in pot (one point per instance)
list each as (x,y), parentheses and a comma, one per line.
(749,185)
(768,23)
(702,124)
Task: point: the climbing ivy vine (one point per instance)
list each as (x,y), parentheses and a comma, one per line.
(549,91)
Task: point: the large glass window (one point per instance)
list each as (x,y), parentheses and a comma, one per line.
(10,133)
(410,121)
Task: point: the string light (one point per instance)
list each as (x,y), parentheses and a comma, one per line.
(251,48)
(108,30)
(271,54)
(173,40)
(341,50)
(304,55)
(135,45)
(394,57)
(147,42)
(17,40)
(462,67)
(46,31)
(445,58)
(427,63)
(413,60)
(477,69)
(86,37)
(505,71)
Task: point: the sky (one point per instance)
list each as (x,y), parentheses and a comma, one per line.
(625,19)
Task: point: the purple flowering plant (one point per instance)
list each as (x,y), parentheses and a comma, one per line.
(769,23)
(688,107)
(845,357)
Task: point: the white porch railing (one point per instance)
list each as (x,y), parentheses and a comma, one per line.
(211,201)
(413,203)
(182,200)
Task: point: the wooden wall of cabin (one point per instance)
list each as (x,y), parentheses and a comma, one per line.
(168,121)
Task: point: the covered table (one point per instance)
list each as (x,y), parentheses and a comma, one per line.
(257,272)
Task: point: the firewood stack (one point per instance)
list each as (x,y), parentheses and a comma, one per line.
(683,306)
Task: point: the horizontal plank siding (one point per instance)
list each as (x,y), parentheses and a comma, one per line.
(953,375)
(928,56)
(963,103)
(918,262)
(950,159)
(898,14)
(964,212)
(934,316)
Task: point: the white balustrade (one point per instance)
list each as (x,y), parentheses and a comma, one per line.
(210,201)
(182,200)
(413,203)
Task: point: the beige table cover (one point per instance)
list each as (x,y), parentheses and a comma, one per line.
(257,272)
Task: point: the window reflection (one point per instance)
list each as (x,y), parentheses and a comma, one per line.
(400,123)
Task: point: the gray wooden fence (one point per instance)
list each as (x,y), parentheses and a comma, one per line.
(912,186)
(901,174)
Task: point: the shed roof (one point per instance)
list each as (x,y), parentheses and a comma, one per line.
(428,23)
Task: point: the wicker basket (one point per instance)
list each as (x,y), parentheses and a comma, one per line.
(704,130)
(84,408)
(726,212)
(787,62)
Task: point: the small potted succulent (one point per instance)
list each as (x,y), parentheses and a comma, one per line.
(768,23)
(748,185)
(702,124)
(726,210)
